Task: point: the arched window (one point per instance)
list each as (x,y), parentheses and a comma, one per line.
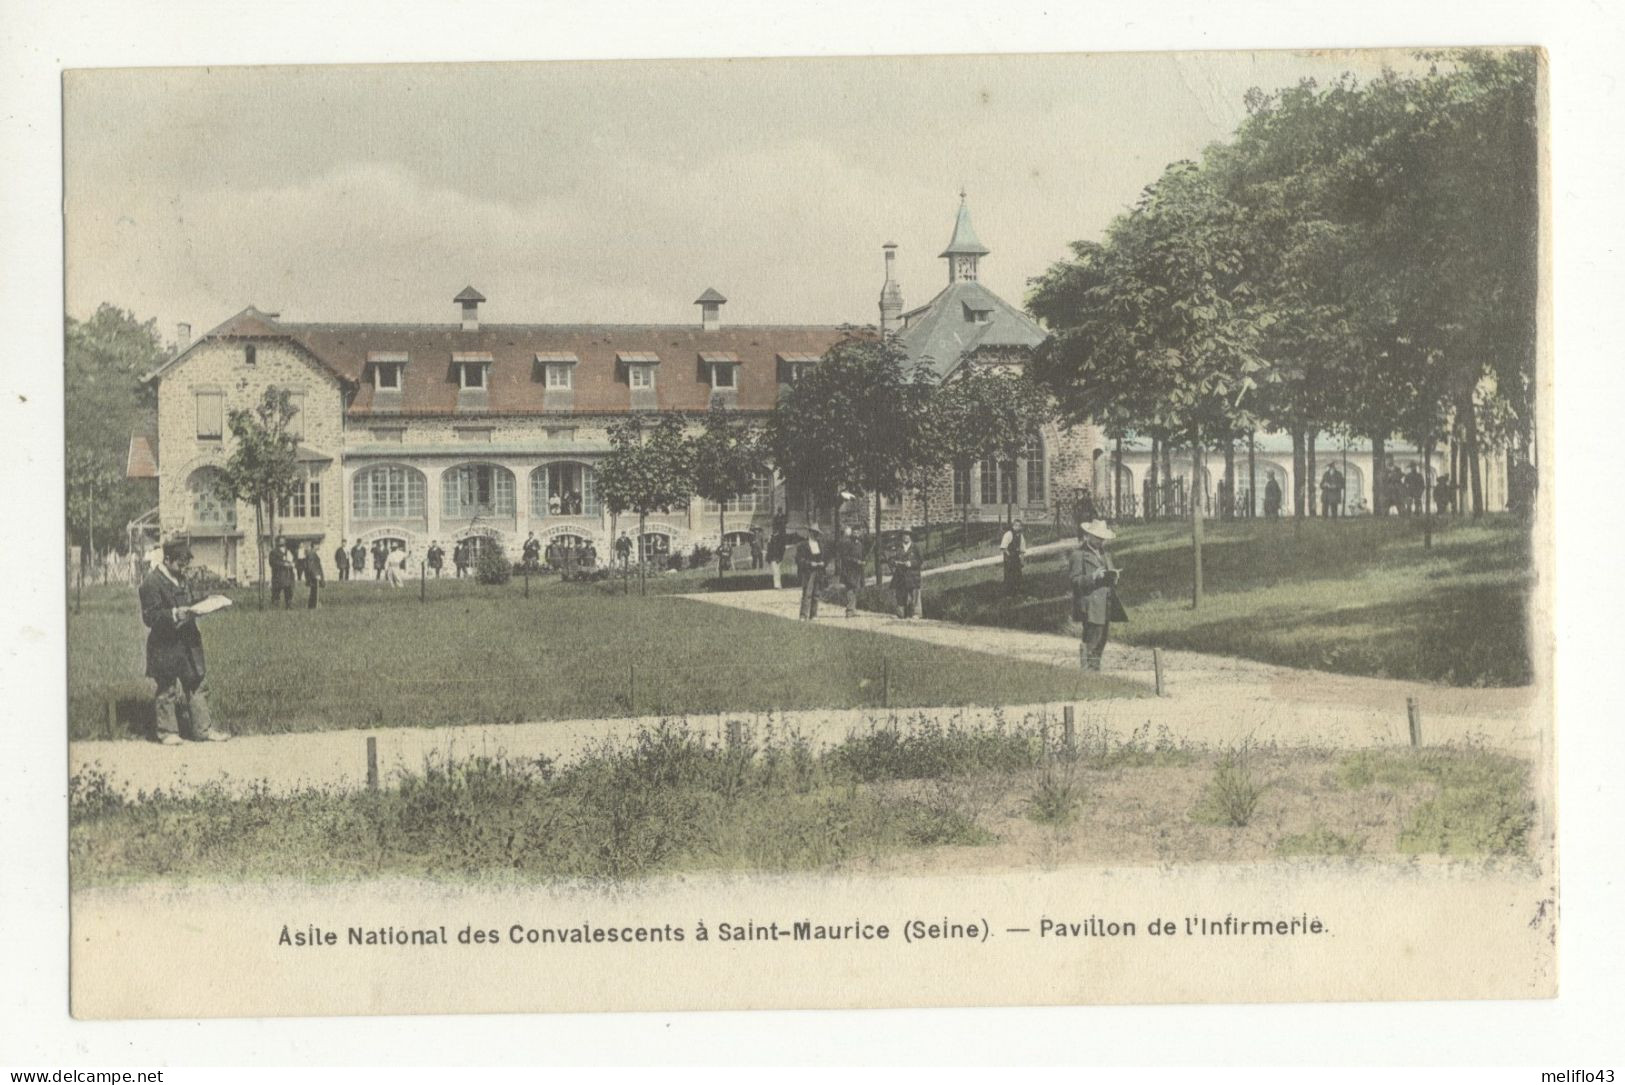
(1033,457)
(998,482)
(388,491)
(564,489)
(208,510)
(476,489)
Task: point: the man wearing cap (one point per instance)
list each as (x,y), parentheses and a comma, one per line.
(175,650)
(810,562)
(281,574)
(849,562)
(1094,591)
(905,577)
(1014,545)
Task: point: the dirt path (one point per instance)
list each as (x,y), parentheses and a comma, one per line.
(1220,699)
(1211,701)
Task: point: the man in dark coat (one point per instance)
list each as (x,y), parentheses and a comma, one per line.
(341,561)
(358,559)
(811,559)
(1014,546)
(313,573)
(1415,487)
(905,576)
(532,552)
(1272,498)
(281,574)
(175,651)
(1331,492)
(380,554)
(849,563)
(1094,591)
(623,550)
(437,557)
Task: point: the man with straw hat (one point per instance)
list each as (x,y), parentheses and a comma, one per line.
(175,650)
(1094,591)
(811,558)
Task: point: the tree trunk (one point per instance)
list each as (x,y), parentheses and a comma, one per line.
(1311,481)
(876,537)
(722,535)
(1252,474)
(1228,512)
(1167,477)
(1196,522)
(1153,492)
(1117,482)
(1379,486)
(1427,493)
(1298,461)
(259,550)
(643,553)
(1472,461)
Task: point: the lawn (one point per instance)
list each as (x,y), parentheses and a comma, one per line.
(670,799)
(375,656)
(1359,596)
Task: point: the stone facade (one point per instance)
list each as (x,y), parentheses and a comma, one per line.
(195,397)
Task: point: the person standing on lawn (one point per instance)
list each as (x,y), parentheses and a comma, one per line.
(358,559)
(1272,498)
(175,651)
(1014,545)
(437,557)
(776,545)
(849,559)
(755,548)
(313,573)
(380,554)
(810,562)
(341,561)
(281,573)
(905,577)
(623,551)
(1094,591)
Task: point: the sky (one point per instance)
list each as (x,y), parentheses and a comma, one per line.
(617,191)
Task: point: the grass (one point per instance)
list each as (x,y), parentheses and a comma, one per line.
(1359,596)
(375,656)
(673,800)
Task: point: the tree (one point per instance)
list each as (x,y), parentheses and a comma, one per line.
(263,467)
(959,433)
(647,470)
(853,422)
(1159,328)
(105,401)
(1016,407)
(725,461)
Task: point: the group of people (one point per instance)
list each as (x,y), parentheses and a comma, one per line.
(567,554)
(565,504)
(291,562)
(388,561)
(814,559)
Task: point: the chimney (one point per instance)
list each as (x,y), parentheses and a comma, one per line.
(183,336)
(470,300)
(891,294)
(710,304)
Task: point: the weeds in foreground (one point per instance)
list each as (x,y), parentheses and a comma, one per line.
(1320,840)
(1231,797)
(1057,796)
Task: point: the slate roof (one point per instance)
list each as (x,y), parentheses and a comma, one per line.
(940,330)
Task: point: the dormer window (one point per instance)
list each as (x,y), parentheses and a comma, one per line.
(388,369)
(641,376)
(977,316)
(473,370)
(559,376)
(640,367)
(794,366)
(724,369)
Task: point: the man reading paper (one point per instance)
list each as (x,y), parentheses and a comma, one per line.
(175,649)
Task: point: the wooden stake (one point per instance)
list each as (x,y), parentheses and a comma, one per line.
(736,734)
(1069,729)
(885,683)
(372,763)
(112,717)
(423,582)
(1156,662)
(631,687)
(1413,712)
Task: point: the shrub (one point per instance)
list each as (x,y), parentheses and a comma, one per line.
(1231,797)
(205,581)
(1057,797)
(493,567)
(1320,840)
(701,557)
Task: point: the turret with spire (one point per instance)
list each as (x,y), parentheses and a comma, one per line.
(964,250)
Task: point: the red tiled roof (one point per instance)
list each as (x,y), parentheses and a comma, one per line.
(517,381)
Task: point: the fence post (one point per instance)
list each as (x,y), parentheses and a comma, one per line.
(1156,663)
(885,682)
(527,580)
(423,582)
(736,734)
(112,717)
(631,688)
(1413,713)
(372,763)
(1069,730)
